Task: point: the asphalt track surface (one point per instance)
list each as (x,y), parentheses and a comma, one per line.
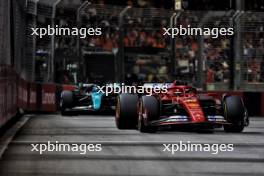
(128,152)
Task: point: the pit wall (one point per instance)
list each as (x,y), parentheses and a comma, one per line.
(16,93)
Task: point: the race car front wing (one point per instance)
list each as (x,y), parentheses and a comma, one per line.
(183,119)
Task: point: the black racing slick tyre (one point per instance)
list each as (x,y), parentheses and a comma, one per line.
(126,111)
(234,112)
(149,110)
(67,99)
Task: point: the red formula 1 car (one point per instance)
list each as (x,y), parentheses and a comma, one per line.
(181,106)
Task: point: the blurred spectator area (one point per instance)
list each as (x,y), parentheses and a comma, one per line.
(252,62)
(142,28)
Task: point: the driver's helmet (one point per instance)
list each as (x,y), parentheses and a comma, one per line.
(190,92)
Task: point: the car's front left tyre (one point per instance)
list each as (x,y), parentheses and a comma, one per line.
(126,111)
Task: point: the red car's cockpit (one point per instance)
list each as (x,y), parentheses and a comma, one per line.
(182,91)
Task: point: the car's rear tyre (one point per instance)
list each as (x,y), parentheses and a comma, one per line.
(234,112)
(149,110)
(126,111)
(67,100)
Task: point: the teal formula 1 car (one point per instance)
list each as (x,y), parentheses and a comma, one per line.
(85,97)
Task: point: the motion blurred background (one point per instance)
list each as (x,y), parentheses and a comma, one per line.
(131,48)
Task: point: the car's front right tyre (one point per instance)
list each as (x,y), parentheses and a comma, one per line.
(149,110)
(66,102)
(234,112)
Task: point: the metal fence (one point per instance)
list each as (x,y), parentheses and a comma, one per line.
(251,63)
(205,59)
(147,52)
